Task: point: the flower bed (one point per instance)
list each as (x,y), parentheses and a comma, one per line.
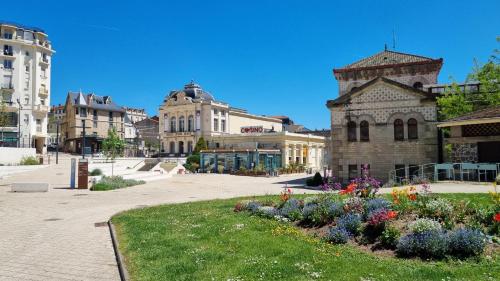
(407,224)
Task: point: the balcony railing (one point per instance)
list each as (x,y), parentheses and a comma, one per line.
(7,86)
(41,108)
(43,92)
(8,53)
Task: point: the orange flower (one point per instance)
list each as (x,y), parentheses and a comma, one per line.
(496,217)
(392,214)
(412,197)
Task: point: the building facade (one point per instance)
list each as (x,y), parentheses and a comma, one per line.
(97,115)
(384,119)
(135,114)
(192,113)
(56,116)
(25,69)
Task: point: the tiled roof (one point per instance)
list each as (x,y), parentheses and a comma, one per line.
(490,112)
(36,29)
(97,102)
(346,98)
(387,58)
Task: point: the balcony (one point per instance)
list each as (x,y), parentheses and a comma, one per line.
(10,106)
(44,61)
(43,93)
(7,88)
(41,109)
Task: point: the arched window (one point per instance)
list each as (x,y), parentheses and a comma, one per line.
(364,131)
(190,147)
(190,123)
(172,147)
(181,147)
(418,85)
(181,124)
(351,131)
(399,129)
(173,125)
(412,129)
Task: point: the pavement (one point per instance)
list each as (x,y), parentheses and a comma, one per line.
(53,235)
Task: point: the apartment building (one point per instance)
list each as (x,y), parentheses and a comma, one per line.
(91,116)
(25,68)
(56,116)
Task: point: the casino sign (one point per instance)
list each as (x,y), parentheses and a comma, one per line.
(252,129)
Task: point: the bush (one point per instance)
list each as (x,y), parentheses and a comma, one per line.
(389,237)
(338,235)
(424,225)
(438,208)
(351,222)
(334,209)
(291,209)
(253,206)
(267,211)
(29,160)
(96,172)
(376,204)
(354,204)
(115,182)
(315,181)
(315,214)
(427,244)
(467,242)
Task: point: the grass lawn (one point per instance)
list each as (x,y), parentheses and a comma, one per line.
(208,241)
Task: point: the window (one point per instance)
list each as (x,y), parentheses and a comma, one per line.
(181,147)
(223,125)
(83,112)
(413,170)
(26,100)
(190,123)
(353,171)
(190,147)
(38,125)
(181,124)
(95,114)
(7,35)
(7,50)
(364,131)
(76,110)
(412,129)
(111,116)
(216,124)
(351,131)
(173,124)
(7,64)
(94,124)
(399,130)
(27,68)
(418,85)
(216,111)
(165,122)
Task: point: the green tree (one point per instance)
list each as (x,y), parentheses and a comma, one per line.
(201,144)
(112,147)
(4,118)
(455,101)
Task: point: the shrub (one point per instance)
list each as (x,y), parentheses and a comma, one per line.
(96,172)
(115,182)
(437,208)
(351,222)
(376,204)
(353,204)
(267,211)
(291,209)
(467,242)
(334,209)
(424,225)
(338,235)
(389,237)
(29,160)
(427,244)
(253,206)
(315,181)
(314,213)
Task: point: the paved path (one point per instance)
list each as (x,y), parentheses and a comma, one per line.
(52,236)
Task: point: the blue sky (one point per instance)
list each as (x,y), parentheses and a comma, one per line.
(270,57)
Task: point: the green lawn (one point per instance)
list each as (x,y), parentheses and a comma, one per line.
(208,241)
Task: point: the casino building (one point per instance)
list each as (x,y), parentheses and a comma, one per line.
(234,136)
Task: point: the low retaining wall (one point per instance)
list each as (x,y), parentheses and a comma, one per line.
(13,155)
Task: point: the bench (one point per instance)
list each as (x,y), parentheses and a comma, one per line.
(30,187)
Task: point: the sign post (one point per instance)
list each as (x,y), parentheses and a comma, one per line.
(83,174)
(72,175)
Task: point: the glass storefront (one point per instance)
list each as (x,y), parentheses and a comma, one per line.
(230,161)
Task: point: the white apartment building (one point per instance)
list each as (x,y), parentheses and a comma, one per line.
(25,60)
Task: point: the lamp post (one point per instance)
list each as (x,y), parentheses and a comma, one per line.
(19,123)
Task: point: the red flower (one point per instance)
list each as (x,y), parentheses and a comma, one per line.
(496,217)
(392,214)
(412,197)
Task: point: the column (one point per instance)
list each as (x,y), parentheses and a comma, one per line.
(294,152)
(301,154)
(316,157)
(284,155)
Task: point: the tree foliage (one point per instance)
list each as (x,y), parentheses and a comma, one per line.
(456,101)
(201,144)
(113,145)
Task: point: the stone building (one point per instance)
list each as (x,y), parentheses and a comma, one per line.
(384,119)
(56,116)
(473,137)
(98,114)
(191,113)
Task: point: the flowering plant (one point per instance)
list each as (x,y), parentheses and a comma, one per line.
(380,216)
(286,194)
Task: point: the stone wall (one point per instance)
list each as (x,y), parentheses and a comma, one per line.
(464,152)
